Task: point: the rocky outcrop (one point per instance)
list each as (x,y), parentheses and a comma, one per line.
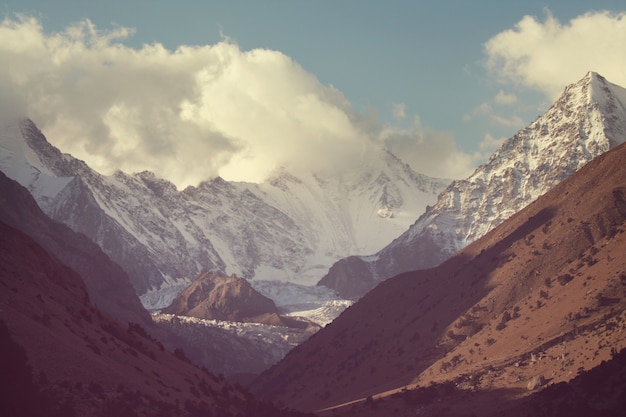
(536,382)
(215,296)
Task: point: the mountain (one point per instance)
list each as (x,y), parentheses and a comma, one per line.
(587,120)
(288,229)
(227,298)
(61,356)
(536,301)
(107,283)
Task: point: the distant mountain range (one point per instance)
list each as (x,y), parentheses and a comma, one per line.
(287,229)
(587,120)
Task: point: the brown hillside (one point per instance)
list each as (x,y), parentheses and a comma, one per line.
(86,363)
(107,284)
(540,297)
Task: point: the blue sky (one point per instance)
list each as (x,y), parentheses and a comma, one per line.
(418,70)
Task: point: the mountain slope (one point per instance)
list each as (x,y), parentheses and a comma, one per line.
(540,297)
(107,284)
(286,229)
(87,363)
(588,119)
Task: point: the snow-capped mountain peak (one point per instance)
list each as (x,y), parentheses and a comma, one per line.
(587,120)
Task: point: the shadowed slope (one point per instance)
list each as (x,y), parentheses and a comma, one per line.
(107,283)
(90,363)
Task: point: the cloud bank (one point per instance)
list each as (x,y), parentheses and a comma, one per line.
(188,114)
(547,55)
(201,111)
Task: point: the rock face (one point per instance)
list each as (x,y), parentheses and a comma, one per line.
(286,229)
(536,382)
(587,120)
(215,296)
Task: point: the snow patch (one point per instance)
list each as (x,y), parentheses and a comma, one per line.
(318,304)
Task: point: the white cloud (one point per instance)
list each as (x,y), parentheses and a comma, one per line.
(482,110)
(192,113)
(187,114)
(399,111)
(548,55)
(514,121)
(486,111)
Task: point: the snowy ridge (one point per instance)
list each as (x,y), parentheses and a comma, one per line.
(554,146)
(288,229)
(586,121)
(357,213)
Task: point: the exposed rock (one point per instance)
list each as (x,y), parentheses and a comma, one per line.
(537,381)
(215,296)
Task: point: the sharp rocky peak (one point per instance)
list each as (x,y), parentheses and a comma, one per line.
(588,119)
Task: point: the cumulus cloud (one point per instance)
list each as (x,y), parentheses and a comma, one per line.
(188,114)
(511,121)
(482,110)
(547,55)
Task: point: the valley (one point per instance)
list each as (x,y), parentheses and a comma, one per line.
(488,295)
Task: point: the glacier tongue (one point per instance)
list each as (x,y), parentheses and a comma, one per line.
(320,305)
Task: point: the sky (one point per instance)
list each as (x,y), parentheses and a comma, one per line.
(195,89)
